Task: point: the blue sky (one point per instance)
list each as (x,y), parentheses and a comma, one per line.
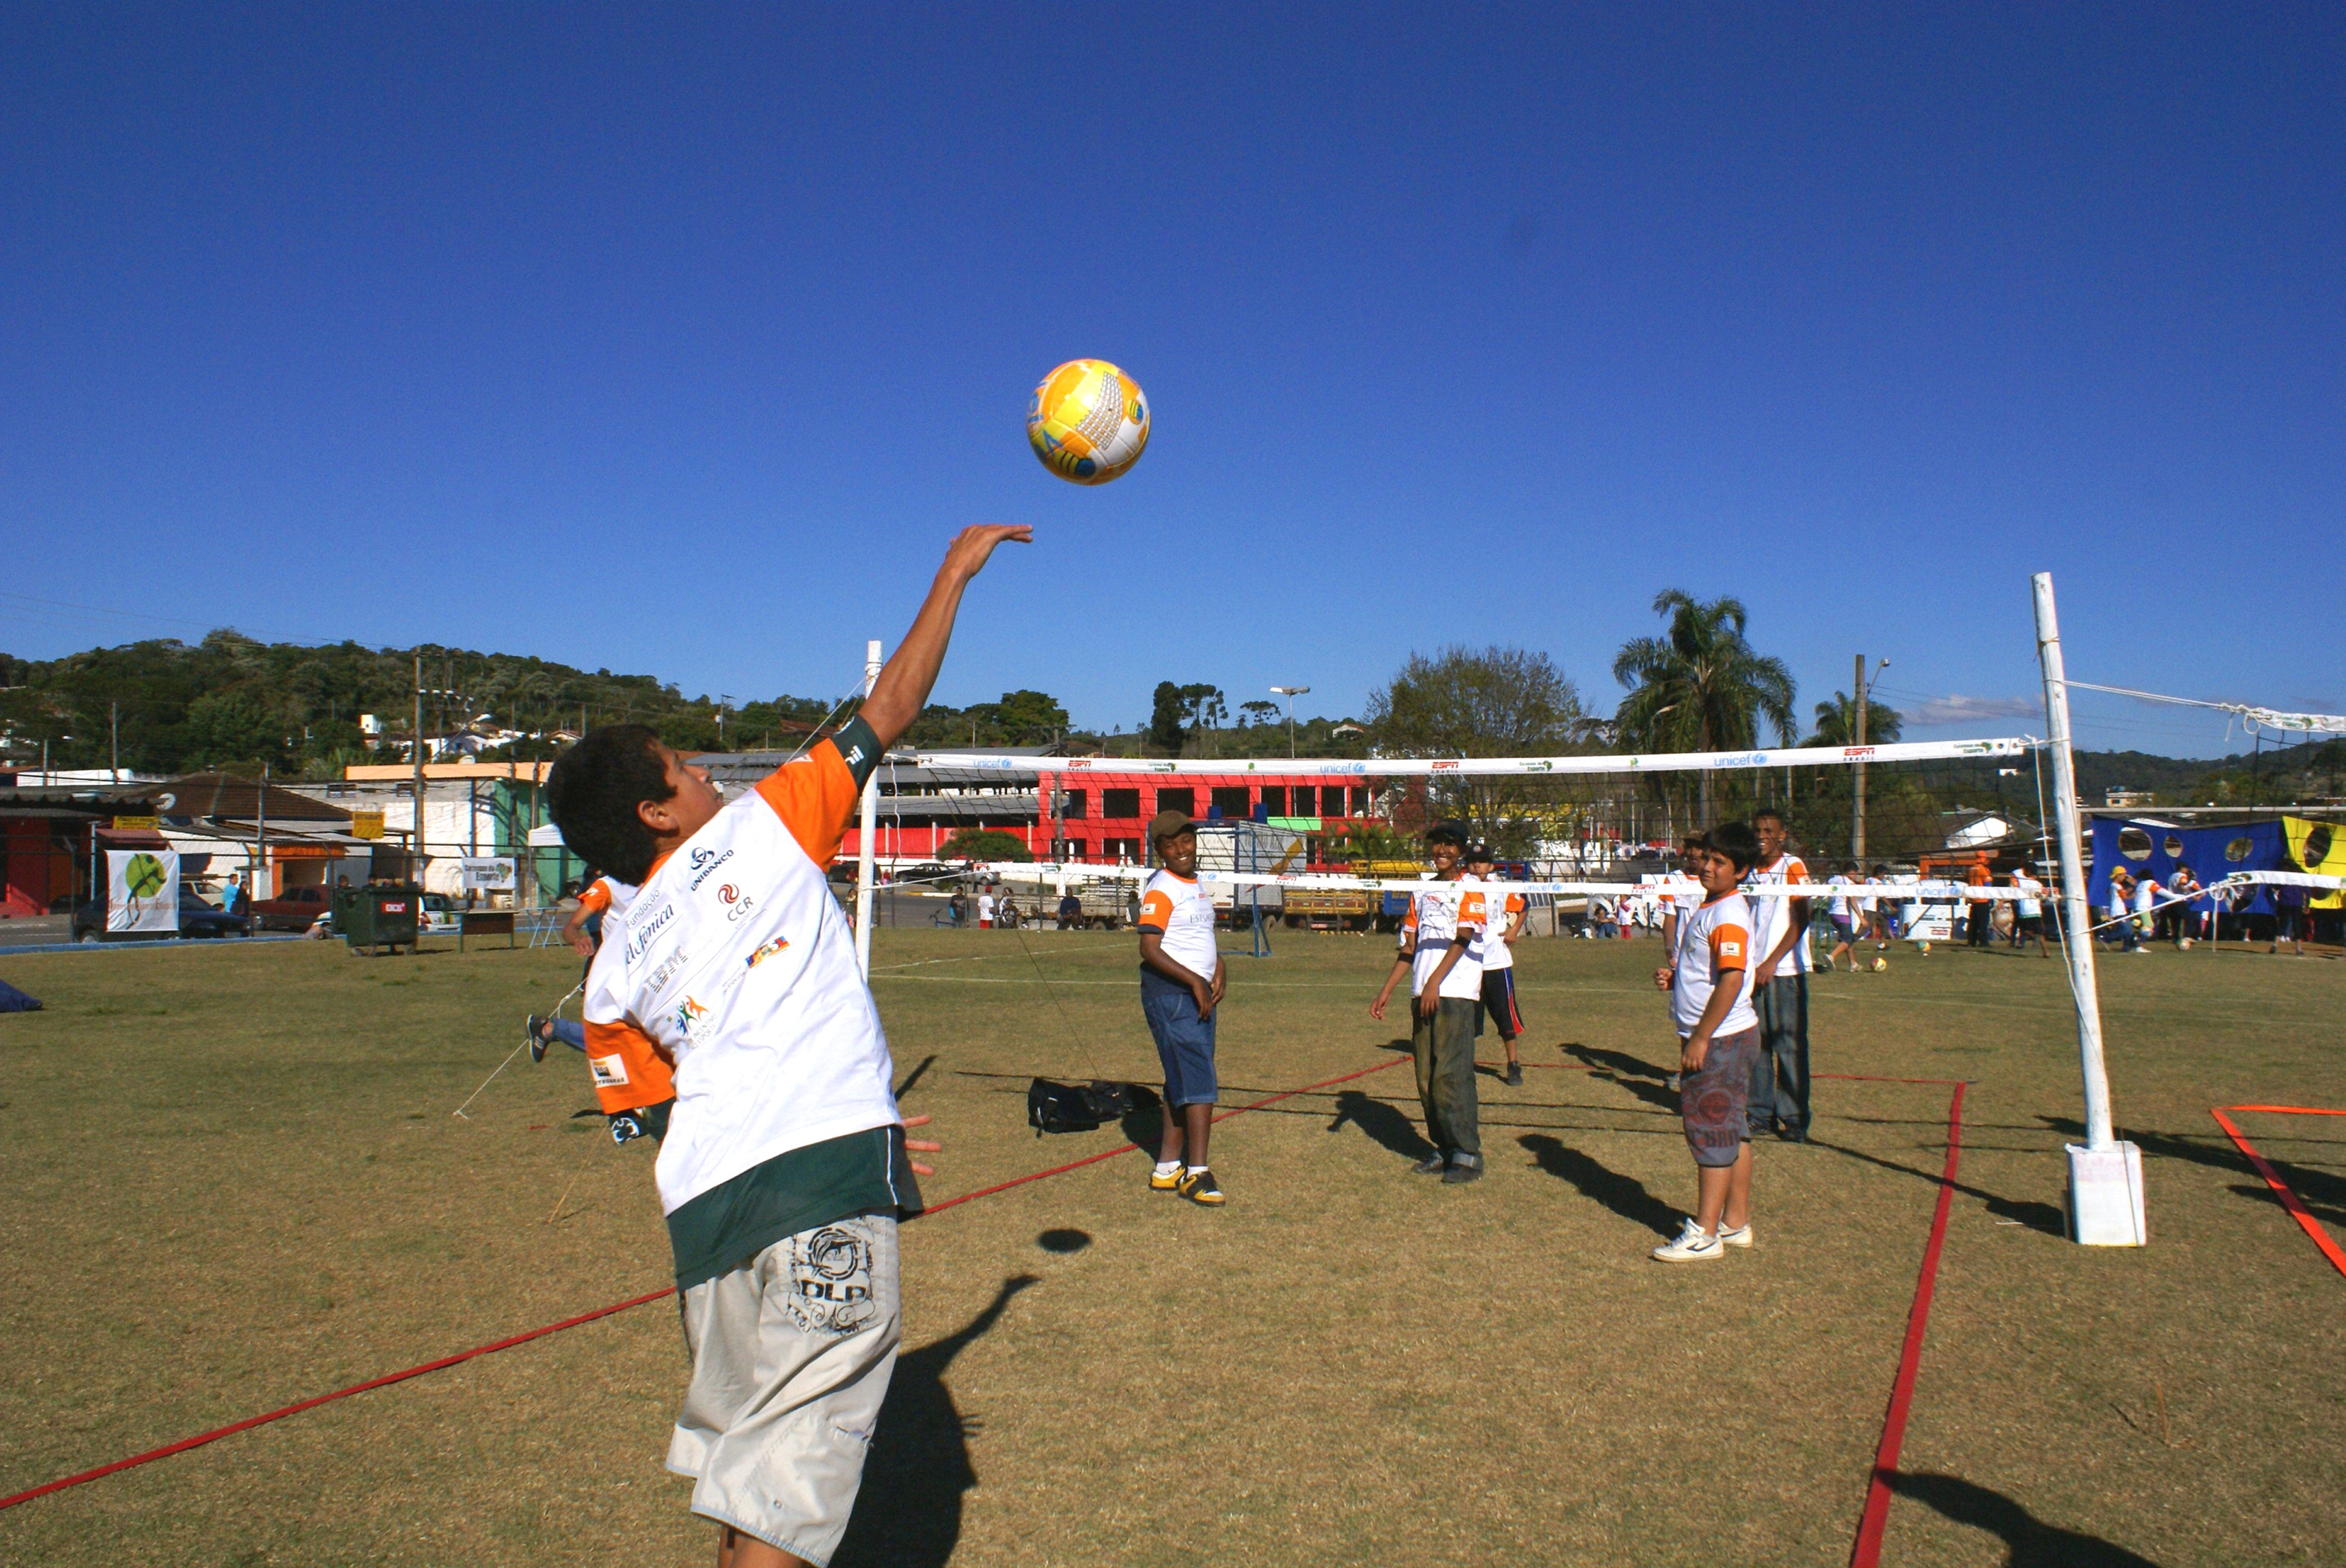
(679,340)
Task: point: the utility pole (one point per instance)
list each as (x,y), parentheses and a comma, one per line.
(114,738)
(1857,778)
(415,837)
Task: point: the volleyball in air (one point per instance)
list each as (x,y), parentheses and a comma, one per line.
(1087,422)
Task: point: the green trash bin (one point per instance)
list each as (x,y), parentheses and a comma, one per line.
(378,916)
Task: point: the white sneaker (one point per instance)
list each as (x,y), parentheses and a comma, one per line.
(1694,1244)
(1735,1235)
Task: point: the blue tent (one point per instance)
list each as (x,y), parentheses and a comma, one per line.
(15,1001)
(2212,854)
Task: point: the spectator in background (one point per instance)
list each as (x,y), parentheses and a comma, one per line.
(1842,911)
(985,909)
(1978,913)
(2146,911)
(2288,916)
(233,899)
(2121,924)
(957,906)
(2178,915)
(1876,911)
(2028,910)
(1071,910)
(1603,919)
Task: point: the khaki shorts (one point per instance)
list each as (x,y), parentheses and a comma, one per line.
(790,1358)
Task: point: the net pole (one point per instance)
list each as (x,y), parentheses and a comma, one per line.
(2077,940)
(863,845)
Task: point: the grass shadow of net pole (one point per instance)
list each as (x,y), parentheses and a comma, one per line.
(1625,1196)
(908,1514)
(2031,1542)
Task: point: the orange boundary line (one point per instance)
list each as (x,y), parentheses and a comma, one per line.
(2288,1199)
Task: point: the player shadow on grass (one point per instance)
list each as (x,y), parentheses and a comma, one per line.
(2031,1542)
(1385,1125)
(1641,1078)
(2323,1193)
(908,1514)
(1625,1196)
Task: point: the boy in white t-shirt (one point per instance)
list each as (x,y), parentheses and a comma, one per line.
(1709,978)
(1503,922)
(730,984)
(1182,982)
(1437,954)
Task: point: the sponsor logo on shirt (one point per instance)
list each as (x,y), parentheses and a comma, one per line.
(639,940)
(704,865)
(727,893)
(747,904)
(611,1071)
(667,970)
(1730,949)
(689,1012)
(766,951)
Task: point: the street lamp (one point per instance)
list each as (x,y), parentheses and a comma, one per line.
(1290,693)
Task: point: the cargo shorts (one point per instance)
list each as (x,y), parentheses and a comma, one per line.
(792,1353)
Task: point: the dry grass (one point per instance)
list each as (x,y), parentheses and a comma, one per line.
(233,1182)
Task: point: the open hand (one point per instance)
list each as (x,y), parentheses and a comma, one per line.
(920,1145)
(967,556)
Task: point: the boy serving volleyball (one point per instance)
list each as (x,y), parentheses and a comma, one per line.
(731,976)
(1709,978)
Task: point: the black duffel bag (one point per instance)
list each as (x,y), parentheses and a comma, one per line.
(1056,1107)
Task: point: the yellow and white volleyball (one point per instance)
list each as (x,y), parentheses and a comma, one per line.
(1087,422)
(1880,964)
(1926,949)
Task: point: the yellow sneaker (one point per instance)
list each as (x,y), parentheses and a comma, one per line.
(1199,1187)
(1167,1181)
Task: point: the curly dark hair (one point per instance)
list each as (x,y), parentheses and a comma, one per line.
(593,791)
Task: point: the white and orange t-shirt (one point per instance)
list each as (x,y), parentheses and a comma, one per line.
(1773,915)
(1500,907)
(1179,911)
(607,895)
(1439,913)
(1715,946)
(730,982)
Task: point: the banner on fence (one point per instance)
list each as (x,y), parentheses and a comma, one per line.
(488,873)
(142,892)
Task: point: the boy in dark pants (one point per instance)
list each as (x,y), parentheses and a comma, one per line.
(1502,923)
(1437,942)
(1710,1003)
(1779,988)
(1181,981)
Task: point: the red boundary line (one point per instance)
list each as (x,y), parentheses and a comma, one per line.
(1876,1517)
(2288,1199)
(200,1439)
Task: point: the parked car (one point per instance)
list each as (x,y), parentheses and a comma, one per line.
(197,918)
(442,915)
(297,909)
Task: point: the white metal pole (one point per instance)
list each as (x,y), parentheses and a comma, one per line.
(2077,940)
(863,845)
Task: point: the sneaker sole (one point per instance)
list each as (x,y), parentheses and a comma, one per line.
(1714,1253)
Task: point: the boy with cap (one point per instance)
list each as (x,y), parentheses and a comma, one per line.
(1494,952)
(1437,943)
(730,984)
(1181,981)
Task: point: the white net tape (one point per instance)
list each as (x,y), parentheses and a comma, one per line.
(1490,766)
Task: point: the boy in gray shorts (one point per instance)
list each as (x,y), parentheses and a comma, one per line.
(785,1165)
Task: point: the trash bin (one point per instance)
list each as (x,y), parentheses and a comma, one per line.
(377,916)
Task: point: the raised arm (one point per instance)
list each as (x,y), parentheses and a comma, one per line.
(902,688)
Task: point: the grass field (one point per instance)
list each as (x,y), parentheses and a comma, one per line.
(232,1181)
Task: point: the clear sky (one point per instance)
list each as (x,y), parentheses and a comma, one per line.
(678,340)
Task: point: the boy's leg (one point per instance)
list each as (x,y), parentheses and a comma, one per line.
(1421,1050)
(791,1354)
(1791,993)
(1738,1212)
(1454,1081)
(1712,1113)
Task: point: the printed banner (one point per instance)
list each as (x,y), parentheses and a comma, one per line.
(142,892)
(488,873)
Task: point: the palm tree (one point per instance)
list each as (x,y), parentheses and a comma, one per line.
(1836,722)
(1701,687)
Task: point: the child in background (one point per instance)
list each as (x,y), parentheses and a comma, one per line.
(1710,983)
